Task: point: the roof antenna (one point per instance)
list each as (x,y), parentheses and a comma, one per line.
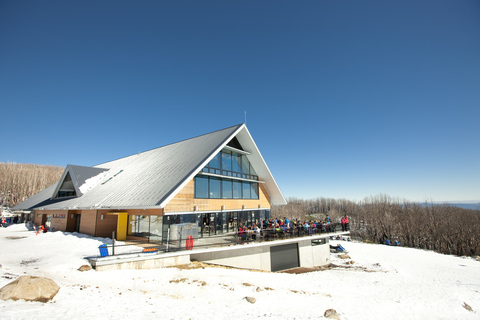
(245,115)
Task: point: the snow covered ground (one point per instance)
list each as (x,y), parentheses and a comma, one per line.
(378,282)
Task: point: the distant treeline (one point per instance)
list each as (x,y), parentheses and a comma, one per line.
(20,181)
(442,228)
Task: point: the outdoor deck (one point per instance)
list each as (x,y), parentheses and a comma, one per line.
(228,250)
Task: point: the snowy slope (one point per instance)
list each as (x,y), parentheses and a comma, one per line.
(378,282)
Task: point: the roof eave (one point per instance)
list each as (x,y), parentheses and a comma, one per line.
(256,158)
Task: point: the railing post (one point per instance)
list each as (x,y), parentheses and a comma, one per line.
(113,243)
(168,237)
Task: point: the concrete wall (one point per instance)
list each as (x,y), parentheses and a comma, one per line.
(257,256)
(142,263)
(248,257)
(313,255)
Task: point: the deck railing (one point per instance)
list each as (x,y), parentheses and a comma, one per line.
(138,248)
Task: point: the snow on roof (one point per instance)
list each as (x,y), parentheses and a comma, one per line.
(92,182)
(152,178)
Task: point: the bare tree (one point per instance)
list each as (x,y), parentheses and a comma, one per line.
(442,228)
(20,181)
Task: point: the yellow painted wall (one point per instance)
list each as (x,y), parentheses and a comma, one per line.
(122,225)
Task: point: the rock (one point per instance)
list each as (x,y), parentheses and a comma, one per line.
(331,314)
(466,306)
(251,299)
(85,267)
(344,256)
(30,288)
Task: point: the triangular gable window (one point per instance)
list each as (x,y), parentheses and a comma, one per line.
(76,180)
(234,143)
(67,189)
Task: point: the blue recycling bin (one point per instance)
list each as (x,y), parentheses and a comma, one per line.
(103,250)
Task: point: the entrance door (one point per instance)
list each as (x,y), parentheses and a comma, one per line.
(208,224)
(77,222)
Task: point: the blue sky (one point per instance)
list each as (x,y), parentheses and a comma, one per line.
(345,99)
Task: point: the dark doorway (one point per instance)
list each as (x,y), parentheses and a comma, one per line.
(284,257)
(77,222)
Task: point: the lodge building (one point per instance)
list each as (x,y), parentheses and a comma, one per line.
(212,182)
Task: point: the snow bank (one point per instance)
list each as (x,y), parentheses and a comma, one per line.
(378,282)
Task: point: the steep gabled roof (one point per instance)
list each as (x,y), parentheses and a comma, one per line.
(37,200)
(152,178)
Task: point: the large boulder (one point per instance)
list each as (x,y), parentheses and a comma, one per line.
(30,288)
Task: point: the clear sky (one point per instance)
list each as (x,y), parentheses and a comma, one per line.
(345,99)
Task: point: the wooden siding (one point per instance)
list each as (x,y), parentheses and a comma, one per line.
(87,222)
(106,226)
(58,224)
(37,218)
(185,201)
(91,222)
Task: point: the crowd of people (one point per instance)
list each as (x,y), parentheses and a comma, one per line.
(274,227)
(4,221)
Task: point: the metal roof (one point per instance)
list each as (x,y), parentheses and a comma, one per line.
(79,175)
(152,178)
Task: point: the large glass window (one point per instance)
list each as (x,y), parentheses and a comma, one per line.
(155,228)
(245,165)
(138,226)
(201,187)
(227,161)
(236,162)
(224,222)
(227,189)
(237,189)
(229,164)
(214,187)
(246,190)
(207,187)
(215,162)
